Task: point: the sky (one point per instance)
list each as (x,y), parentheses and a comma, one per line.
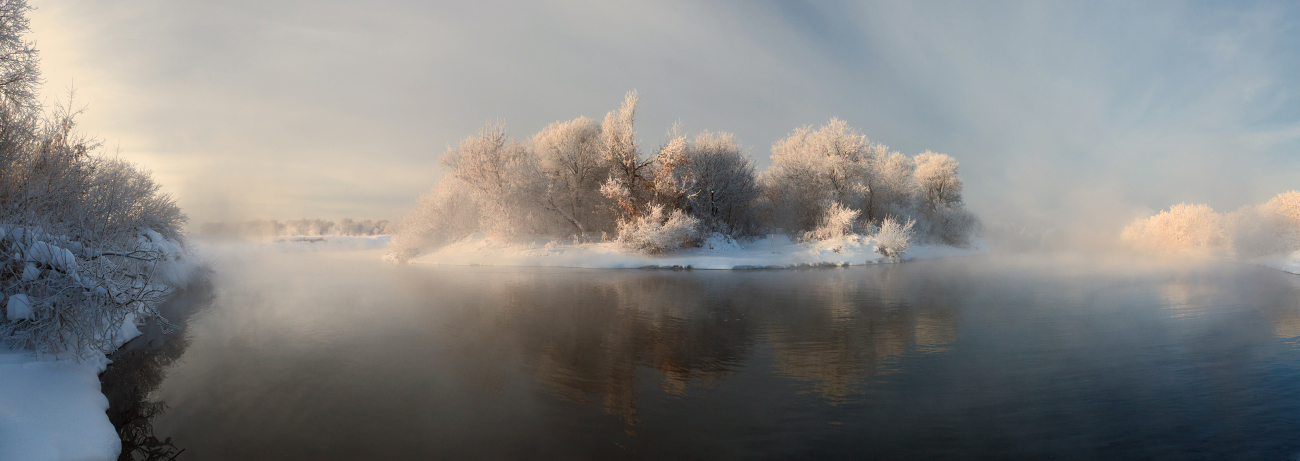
(1072,114)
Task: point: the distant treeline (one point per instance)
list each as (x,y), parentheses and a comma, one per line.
(1254,230)
(583,180)
(263,228)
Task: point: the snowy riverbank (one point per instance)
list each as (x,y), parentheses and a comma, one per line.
(51,408)
(1283,262)
(774,252)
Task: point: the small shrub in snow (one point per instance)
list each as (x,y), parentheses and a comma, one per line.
(837,221)
(893,238)
(657,231)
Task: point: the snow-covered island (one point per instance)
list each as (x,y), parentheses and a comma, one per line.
(583,194)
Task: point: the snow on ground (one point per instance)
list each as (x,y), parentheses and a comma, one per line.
(51,408)
(773,252)
(1283,262)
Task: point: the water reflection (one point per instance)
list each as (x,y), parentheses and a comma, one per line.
(131,382)
(586,335)
(838,329)
(317,357)
(585,338)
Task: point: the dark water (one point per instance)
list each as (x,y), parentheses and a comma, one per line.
(336,356)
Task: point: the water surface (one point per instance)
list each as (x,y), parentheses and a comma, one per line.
(339,356)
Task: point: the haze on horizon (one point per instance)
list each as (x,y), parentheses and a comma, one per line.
(1060,114)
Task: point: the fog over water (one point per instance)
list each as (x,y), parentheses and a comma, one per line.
(319,355)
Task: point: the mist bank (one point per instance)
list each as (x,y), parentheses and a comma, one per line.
(264,229)
(580,182)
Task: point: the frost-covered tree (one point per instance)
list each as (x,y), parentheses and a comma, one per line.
(20,73)
(1180,229)
(720,185)
(569,154)
(936,176)
(631,182)
(504,177)
(836,164)
(1253,230)
(812,168)
(894,188)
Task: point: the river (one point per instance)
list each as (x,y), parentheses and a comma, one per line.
(319,355)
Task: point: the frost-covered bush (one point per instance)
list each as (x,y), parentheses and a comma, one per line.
(893,238)
(837,221)
(443,215)
(87,241)
(658,231)
(1180,229)
(955,226)
(65,297)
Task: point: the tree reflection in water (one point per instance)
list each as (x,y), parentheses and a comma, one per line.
(137,372)
(834,328)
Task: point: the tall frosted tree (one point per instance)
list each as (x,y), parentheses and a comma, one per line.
(630,182)
(503,175)
(569,155)
(721,185)
(936,175)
